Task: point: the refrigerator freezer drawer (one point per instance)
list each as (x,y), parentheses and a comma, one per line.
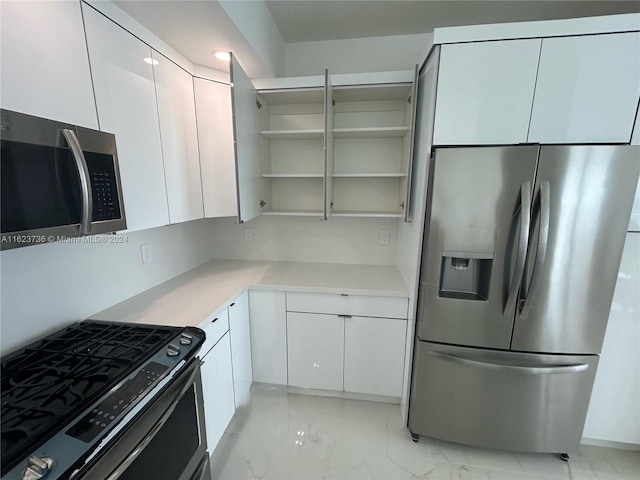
(506,400)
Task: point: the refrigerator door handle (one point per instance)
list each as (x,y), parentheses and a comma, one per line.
(543,242)
(551,369)
(518,272)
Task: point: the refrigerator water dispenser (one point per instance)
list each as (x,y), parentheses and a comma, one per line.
(465,275)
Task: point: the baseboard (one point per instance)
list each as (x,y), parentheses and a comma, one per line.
(610,444)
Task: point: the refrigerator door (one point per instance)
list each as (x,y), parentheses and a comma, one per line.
(567,295)
(506,400)
(475,244)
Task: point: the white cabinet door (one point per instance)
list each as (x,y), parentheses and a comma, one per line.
(215,142)
(217,389)
(240,332)
(246,143)
(374,351)
(613,413)
(635,137)
(485,92)
(45,67)
(267,311)
(126,100)
(315,344)
(176,111)
(587,89)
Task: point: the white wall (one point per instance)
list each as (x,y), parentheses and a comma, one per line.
(302,239)
(45,287)
(374,54)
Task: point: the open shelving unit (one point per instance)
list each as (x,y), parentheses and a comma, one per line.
(292,131)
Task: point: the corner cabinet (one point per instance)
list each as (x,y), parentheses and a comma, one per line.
(312,149)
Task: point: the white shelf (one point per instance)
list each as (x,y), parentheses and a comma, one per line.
(292,175)
(369,175)
(356,213)
(371,132)
(295,213)
(311,134)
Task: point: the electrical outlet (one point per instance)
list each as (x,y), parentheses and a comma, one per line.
(248,235)
(383,238)
(145,252)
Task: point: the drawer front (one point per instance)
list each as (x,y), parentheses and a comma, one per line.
(214,328)
(359,305)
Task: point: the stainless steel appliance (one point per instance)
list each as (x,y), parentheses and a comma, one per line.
(102,400)
(58,181)
(521,252)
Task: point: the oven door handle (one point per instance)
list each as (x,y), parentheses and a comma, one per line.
(155,429)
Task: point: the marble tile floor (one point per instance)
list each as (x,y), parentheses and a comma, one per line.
(281,435)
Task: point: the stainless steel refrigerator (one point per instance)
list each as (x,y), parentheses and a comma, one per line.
(522,246)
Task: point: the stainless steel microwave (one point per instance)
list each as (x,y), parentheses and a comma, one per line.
(57,181)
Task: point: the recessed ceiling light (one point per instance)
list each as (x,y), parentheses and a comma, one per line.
(221,55)
(151,61)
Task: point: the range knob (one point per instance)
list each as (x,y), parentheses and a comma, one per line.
(173,350)
(186,339)
(38,468)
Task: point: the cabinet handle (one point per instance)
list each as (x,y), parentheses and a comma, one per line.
(214,320)
(344,316)
(344,294)
(232,305)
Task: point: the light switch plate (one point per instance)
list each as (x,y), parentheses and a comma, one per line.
(383,237)
(145,252)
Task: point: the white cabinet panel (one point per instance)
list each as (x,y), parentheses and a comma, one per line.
(217,389)
(215,142)
(315,346)
(214,328)
(126,101)
(45,67)
(485,92)
(613,413)
(395,307)
(374,355)
(241,348)
(635,137)
(268,316)
(247,143)
(176,111)
(587,89)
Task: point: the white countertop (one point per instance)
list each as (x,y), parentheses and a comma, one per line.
(193,296)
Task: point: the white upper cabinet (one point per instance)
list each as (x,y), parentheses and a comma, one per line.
(246,144)
(126,100)
(485,92)
(176,111)
(45,68)
(215,142)
(587,89)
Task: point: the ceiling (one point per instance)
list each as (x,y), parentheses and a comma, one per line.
(194,28)
(309,20)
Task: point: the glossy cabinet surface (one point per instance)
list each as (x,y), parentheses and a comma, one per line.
(45,67)
(374,351)
(214,328)
(587,89)
(176,111)
(315,344)
(240,348)
(215,144)
(217,389)
(268,317)
(485,92)
(126,100)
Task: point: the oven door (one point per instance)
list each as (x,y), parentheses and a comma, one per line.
(166,442)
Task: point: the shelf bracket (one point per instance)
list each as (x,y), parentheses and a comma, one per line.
(262,203)
(402,206)
(258,103)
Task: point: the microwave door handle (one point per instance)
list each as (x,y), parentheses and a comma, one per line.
(543,243)
(518,271)
(85,183)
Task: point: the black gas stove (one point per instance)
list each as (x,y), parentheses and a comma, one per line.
(64,393)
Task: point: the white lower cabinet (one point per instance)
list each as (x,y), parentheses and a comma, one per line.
(240,333)
(217,389)
(315,345)
(374,351)
(268,316)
